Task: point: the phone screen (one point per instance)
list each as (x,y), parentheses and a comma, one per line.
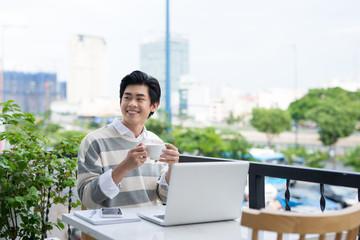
(111,211)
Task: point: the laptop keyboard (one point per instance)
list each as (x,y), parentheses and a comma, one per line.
(160,216)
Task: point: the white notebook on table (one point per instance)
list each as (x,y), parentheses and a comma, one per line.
(97,219)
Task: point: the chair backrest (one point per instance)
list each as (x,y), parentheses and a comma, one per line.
(347,219)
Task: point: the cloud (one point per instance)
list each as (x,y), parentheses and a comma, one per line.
(12,19)
(351,30)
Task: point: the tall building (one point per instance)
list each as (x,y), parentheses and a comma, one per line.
(33,92)
(152,61)
(194,100)
(88,68)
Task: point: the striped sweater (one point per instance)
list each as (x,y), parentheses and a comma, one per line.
(105,148)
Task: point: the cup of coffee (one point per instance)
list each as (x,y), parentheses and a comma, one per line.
(154,150)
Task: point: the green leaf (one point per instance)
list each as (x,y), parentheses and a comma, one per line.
(22,165)
(10,200)
(12,166)
(4,166)
(60,223)
(19,199)
(33,190)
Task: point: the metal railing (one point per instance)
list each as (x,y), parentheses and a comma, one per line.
(258,172)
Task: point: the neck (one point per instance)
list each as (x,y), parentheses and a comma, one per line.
(136,129)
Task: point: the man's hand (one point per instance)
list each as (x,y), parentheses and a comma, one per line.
(170,156)
(134,159)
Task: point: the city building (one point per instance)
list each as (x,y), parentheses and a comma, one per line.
(194,100)
(67,114)
(33,92)
(277,97)
(229,102)
(61,89)
(88,68)
(152,61)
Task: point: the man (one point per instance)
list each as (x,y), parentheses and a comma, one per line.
(113,167)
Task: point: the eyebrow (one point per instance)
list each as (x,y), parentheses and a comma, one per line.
(138,95)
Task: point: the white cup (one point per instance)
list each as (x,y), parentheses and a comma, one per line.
(154,150)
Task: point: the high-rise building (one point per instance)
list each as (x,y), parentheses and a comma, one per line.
(194,99)
(88,68)
(33,92)
(152,61)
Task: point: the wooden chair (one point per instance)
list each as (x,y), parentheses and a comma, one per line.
(280,222)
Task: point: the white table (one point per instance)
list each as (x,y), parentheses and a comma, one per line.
(145,230)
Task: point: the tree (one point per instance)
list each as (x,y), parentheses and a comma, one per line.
(314,97)
(272,122)
(334,110)
(334,119)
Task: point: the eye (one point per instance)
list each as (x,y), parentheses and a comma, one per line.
(141,99)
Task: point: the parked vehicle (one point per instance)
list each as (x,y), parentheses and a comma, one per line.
(270,193)
(263,155)
(266,155)
(345,196)
(306,198)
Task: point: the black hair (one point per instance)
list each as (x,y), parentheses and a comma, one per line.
(140,78)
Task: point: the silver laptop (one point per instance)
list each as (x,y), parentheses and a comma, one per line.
(202,192)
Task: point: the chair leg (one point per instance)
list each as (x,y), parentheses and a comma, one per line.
(351,234)
(254,235)
(86,237)
(338,236)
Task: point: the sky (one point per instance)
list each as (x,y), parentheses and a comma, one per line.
(248,45)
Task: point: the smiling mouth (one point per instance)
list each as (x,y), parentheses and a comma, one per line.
(132,112)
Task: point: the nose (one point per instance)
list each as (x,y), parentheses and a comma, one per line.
(132,103)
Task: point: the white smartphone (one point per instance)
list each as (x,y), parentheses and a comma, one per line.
(111,212)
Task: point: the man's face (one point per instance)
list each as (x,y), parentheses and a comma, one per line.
(135,105)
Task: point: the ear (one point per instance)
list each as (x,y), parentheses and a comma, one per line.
(154,107)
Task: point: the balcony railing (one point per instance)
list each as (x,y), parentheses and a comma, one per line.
(258,172)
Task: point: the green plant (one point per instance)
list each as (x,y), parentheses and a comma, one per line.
(316,159)
(293,154)
(158,126)
(198,141)
(32,178)
(237,146)
(352,158)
